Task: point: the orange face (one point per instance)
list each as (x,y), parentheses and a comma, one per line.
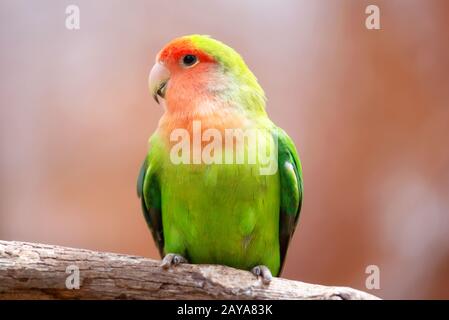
(181,73)
(189,80)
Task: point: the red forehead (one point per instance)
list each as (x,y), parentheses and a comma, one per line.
(179,48)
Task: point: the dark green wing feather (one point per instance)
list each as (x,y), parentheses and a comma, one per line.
(290,173)
(149,193)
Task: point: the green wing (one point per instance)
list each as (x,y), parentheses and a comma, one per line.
(290,173)
(148,190)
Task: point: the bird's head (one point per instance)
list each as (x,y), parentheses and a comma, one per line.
(197,68)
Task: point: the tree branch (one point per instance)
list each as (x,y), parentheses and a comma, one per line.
(38,271)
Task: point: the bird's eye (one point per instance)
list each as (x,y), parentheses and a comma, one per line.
(189,60)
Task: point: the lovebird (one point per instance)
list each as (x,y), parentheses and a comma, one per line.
(221,183)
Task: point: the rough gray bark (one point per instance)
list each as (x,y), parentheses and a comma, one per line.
(38,271)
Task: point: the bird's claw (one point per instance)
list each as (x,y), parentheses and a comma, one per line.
(263,272)
(172,259)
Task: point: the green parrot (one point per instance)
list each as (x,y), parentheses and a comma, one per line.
(203,204)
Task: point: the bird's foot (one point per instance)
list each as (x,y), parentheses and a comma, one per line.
(172,259)
(263,272)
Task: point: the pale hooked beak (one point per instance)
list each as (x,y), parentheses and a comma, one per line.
(159,76)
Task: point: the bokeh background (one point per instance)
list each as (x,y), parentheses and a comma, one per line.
(368,111)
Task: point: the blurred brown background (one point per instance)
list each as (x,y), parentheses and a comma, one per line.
(368,111)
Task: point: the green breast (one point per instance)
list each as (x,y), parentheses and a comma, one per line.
(221,214)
